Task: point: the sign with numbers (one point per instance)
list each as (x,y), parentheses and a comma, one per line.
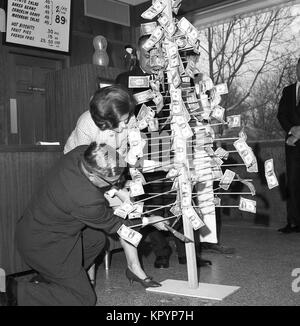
(43,24)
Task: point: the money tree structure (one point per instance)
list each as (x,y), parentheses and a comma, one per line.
(191,103)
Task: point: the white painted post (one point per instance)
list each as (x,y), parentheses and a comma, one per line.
(188,229)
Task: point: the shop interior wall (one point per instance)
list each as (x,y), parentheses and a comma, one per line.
(83,30)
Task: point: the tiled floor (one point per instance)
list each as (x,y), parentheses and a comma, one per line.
(262,268)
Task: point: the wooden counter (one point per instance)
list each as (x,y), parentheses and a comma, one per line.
(21,171)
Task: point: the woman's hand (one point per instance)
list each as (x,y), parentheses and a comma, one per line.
(159,225)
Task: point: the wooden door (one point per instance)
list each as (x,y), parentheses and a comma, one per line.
(27,105)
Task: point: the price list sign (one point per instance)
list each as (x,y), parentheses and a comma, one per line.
(42,24)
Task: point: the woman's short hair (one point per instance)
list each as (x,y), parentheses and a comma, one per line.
(103,160)
(109,104)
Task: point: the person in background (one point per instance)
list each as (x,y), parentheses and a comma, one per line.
(289,118)
(159,240)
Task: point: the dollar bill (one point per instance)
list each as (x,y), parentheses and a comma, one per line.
(270,174)
(176,108)
(153,125)
(218,113)
(144,96)
(138,211)
(124,209)
(247,205)
(234,121)
(210,152)
(159,101)
(206,84)
(157,7)
(227,179)
(185,128)
(167,24)
(174,77)
(216,161)
(136,188)
(246,154)
(174,62)
(193,217)
(139,208)
(221,89)
(221,153)
(216,172)
(148,28)
(142,124)
(129,235)
(138,81)
(179,147)
(155,37)
(175,210)
(176,95)
(172,50)
(185,189)
(146,113)
(188,29)
(134,215)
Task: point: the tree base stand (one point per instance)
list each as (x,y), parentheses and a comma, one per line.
(204,290)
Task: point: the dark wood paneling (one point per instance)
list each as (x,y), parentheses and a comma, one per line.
(85,28)
(68,93)
(20,175)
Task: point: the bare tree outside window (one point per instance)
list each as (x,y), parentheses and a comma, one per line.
(256,56)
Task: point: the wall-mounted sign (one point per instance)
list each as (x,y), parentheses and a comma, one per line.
(43,24)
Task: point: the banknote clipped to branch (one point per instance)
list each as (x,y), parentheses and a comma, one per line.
(270,174)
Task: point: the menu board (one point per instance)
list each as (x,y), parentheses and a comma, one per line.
(42,24)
